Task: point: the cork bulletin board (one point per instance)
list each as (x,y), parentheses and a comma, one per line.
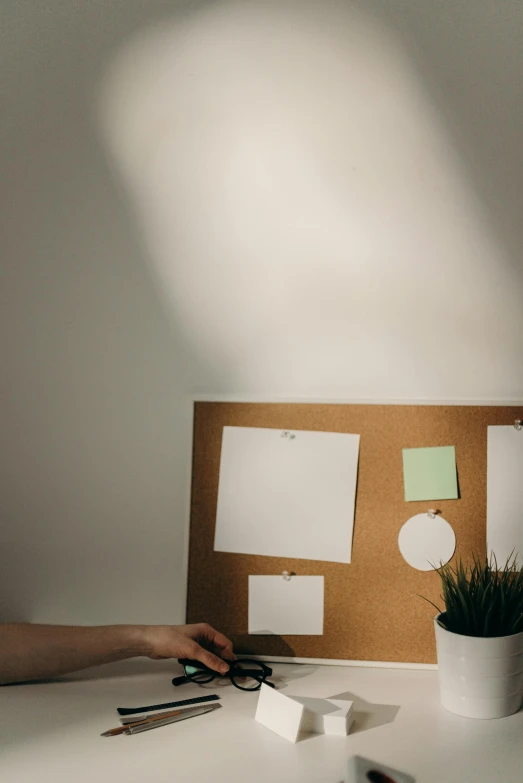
(373,611)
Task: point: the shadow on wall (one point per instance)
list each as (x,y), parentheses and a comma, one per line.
(309,216)
(470,58)
(95,421)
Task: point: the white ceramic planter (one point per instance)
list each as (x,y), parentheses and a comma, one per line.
(480,677)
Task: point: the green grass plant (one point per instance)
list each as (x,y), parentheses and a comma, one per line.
(481,600)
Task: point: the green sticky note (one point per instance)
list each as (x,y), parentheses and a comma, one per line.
(430,474)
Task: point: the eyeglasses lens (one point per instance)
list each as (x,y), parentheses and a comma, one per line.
(247,675)
(196,675)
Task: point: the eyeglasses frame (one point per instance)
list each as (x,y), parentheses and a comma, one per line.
(260,677)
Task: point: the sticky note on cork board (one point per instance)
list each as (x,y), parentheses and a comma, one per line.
(430,473)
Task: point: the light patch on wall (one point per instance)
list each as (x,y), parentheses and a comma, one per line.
(306,214)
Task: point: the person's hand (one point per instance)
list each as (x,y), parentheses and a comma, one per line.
(200,642)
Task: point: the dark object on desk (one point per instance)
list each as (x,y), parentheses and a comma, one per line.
(363,770)
(246,675)
(155,721)
(168,705)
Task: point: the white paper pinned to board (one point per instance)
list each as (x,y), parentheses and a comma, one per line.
(287,493)
(286,607)
(505,493)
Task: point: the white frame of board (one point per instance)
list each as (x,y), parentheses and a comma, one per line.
(296,399)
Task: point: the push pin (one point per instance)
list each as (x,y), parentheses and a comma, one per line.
(518,424)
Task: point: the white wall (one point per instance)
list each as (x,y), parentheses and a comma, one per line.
(94,435)
(329,205)
(313,202)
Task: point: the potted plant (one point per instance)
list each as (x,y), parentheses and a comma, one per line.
(479,638)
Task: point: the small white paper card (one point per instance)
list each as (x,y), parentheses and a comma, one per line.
(279,713)
(326,716)
(286,607)
(287,493)
(505,493)
(290,716)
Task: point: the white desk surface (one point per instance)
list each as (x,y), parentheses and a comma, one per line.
(51,731)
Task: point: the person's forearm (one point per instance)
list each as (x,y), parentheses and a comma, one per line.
(30,652)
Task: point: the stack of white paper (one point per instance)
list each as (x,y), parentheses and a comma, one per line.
(292,716)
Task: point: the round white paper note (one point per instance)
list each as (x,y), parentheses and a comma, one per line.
(426,542)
